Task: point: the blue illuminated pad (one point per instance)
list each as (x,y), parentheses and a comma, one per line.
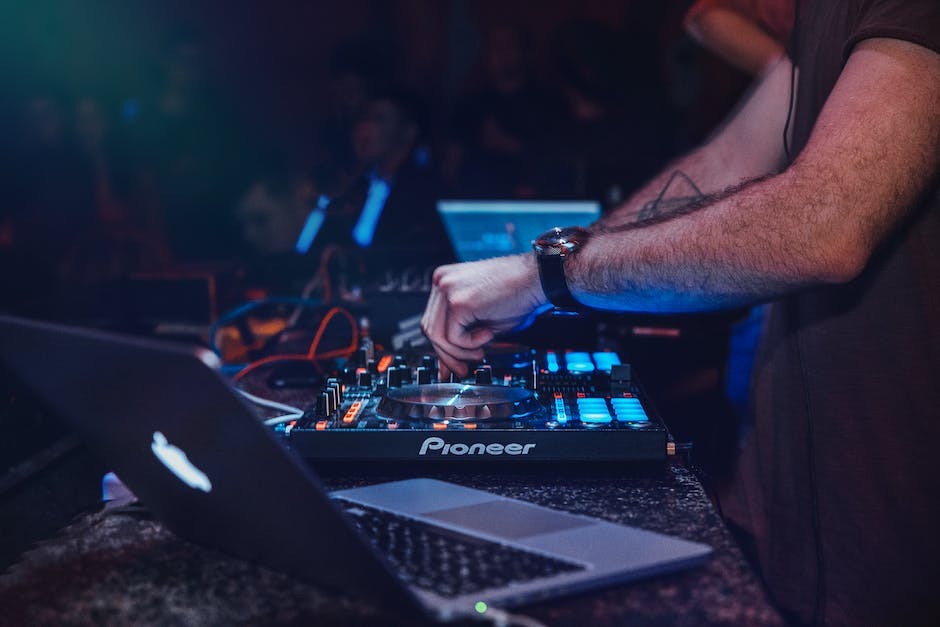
(551,361)
(606,360)
(629,409)
(593,410)
(579,362)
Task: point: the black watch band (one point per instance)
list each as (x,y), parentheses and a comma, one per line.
(554,284)
(551,249)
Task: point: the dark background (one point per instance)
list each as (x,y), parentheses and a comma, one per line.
(173,108)
(130,130)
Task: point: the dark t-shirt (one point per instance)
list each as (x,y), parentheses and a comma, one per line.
(838,480)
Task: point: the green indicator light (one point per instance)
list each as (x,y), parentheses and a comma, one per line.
(480,607)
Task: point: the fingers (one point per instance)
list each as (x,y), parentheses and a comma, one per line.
(457,328)
(448,362)
(452,355)
(430,312)
(444,326)
(447,325)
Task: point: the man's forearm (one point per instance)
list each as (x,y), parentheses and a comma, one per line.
(750,243)
(873,151)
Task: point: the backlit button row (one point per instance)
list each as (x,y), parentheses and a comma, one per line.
(593,410)
(561,414)
(629,409)
(352,412)
(578,362)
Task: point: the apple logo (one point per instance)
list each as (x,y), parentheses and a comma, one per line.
(176,461)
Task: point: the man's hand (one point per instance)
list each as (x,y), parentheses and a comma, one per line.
(472,302)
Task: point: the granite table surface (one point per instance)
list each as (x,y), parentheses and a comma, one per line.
(120,566)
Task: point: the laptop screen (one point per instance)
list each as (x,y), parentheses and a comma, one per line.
(488,228)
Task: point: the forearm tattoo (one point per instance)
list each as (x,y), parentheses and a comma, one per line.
(660,206)
(658,210)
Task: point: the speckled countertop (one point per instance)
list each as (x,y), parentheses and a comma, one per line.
(120,567)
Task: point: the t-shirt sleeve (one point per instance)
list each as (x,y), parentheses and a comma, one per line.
(916,21)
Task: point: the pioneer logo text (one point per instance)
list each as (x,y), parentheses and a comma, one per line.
(437,446)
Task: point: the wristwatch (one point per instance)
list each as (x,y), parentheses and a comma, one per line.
(551,248)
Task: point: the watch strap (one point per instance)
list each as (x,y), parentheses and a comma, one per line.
(554,284)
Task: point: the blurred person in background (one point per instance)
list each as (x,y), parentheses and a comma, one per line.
(357,70)
(613,136)
(48,193)
(184,134)
(387,214)
(273,211)
(125,236)
(503,124)
(272,214)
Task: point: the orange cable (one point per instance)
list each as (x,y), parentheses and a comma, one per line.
(267,360)
(312,351)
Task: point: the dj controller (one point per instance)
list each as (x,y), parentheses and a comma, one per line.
(520,405)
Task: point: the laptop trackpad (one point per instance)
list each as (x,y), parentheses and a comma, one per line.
(508,519)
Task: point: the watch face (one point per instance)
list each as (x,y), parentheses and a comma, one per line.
(560,240)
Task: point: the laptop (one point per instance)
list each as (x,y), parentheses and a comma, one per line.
(169,424)
(480,229)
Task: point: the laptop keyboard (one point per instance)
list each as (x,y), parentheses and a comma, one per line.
(448,562)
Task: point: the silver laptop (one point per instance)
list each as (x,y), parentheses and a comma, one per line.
(191,449)
(480,229)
